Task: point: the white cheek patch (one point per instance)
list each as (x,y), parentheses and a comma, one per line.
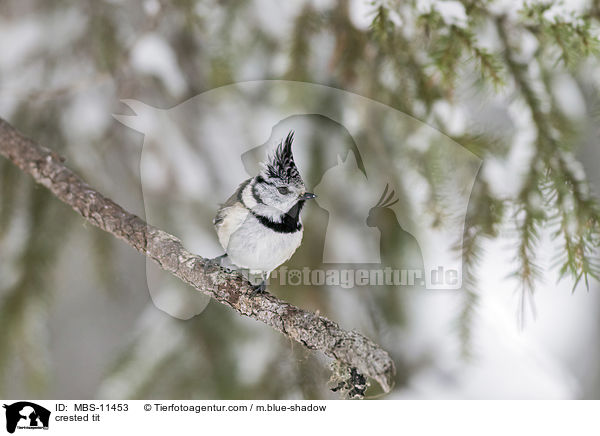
(271,212)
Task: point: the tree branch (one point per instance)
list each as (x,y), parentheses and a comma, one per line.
(353,351)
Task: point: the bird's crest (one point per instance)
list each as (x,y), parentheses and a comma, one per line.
(281,165)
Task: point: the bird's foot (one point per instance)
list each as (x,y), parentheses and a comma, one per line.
(216,261)
(261,288)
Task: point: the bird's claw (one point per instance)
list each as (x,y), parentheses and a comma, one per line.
(208,264)
(216,261)
(259,289)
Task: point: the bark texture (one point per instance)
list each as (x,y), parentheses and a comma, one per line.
(351,349)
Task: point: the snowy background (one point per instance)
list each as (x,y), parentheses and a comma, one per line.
(106,83)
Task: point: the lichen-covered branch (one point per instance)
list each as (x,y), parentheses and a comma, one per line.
(351,349)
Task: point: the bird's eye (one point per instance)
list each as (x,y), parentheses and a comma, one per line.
(283,190)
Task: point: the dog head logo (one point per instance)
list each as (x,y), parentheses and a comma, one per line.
(26,415)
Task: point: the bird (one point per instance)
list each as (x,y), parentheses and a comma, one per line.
(259,226)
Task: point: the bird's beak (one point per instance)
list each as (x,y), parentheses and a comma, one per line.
(307,196)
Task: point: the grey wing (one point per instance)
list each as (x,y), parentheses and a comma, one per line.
(230,215)
(231,201)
